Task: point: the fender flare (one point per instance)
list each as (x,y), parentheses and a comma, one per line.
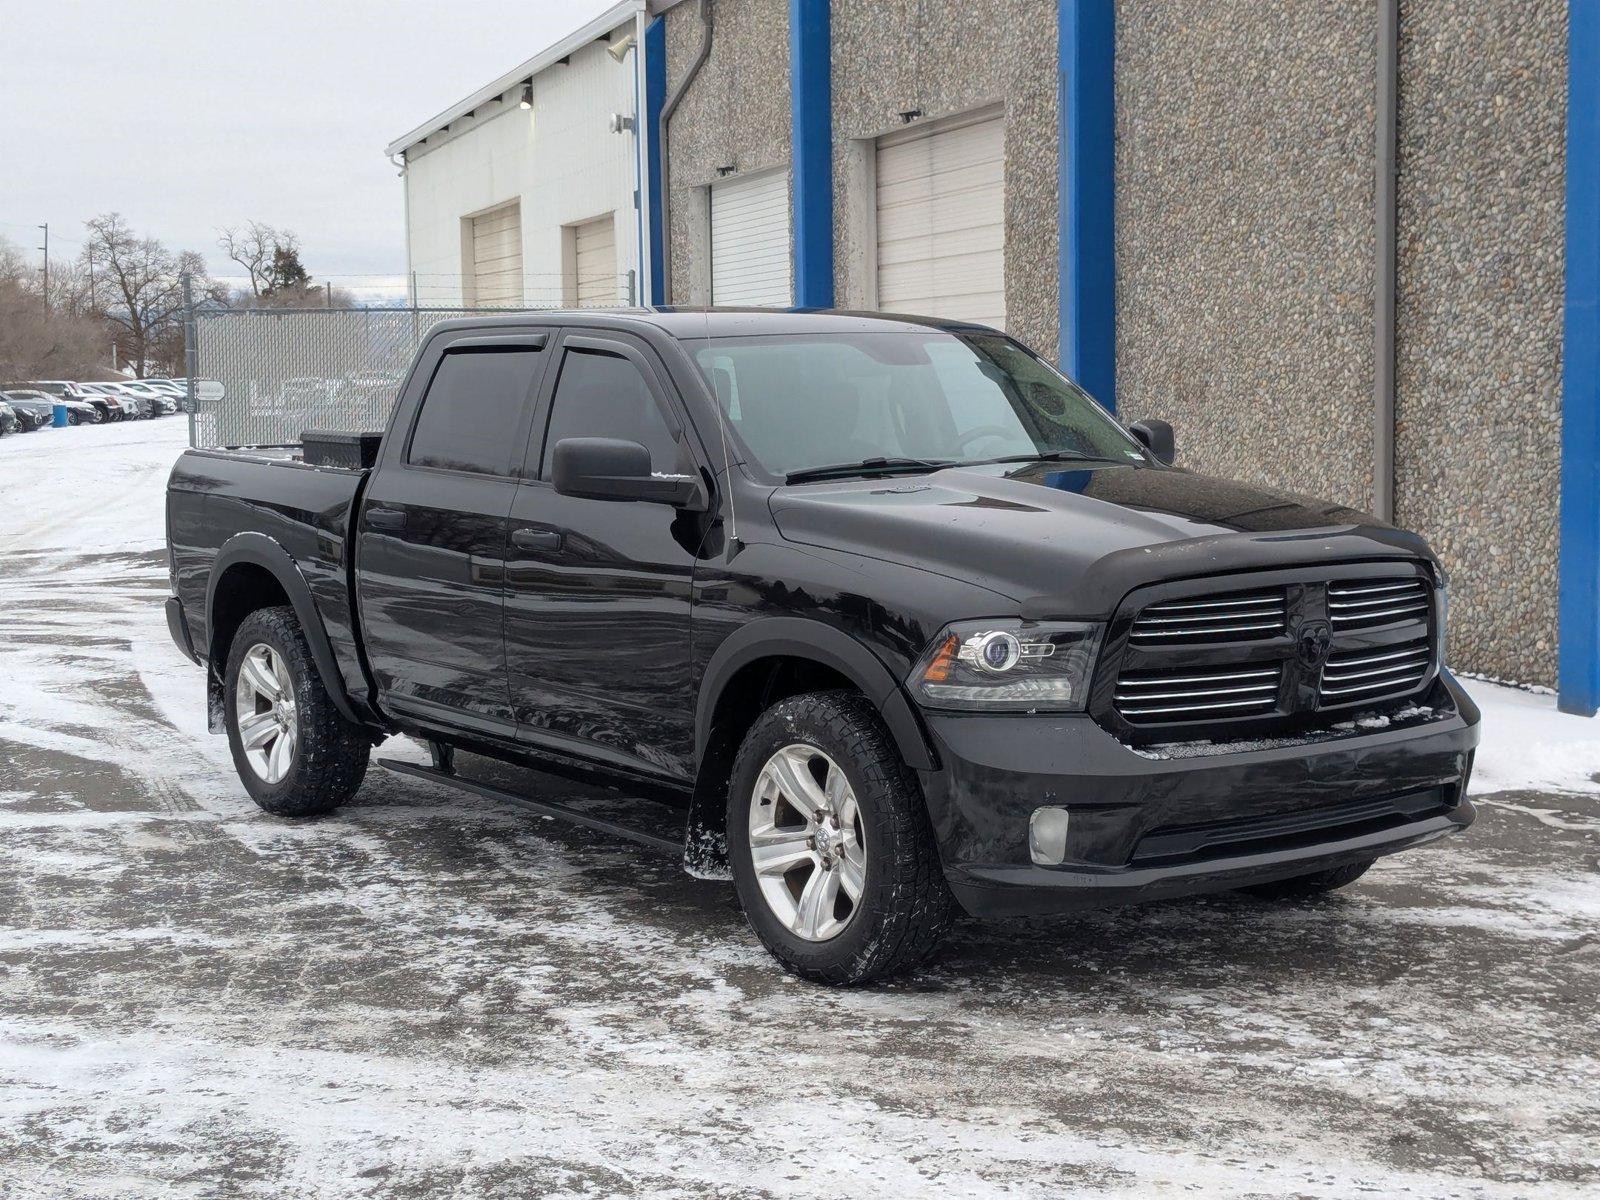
(257,549)
(705,851)
(797,637)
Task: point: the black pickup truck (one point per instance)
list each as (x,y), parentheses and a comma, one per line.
(903,620)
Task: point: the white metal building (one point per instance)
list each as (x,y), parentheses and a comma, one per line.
(525,193)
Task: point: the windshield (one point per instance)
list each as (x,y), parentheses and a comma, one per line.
(805,401)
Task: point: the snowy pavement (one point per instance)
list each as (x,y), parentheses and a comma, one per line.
(435,995)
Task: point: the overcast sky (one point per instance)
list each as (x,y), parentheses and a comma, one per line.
(189,115)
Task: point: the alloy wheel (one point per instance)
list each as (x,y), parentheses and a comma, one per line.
(264,705)
(807,843)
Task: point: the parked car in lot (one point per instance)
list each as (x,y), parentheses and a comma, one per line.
(34,410)
(8,420)
(70,391)
(79,412)
(128,407)
(901,617)
(143,406)
(162,402)
(179,392)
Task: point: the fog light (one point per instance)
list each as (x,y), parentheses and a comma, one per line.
(1047,836)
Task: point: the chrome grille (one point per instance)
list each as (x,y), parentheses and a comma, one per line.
(1189,695)
(1373,674)
(1241,616)
(1370,603)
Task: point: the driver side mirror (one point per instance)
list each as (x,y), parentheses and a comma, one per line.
(613,469)
(1157,438)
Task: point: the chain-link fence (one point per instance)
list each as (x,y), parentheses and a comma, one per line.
(264,376)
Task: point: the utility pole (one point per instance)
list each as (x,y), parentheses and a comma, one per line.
(46,249)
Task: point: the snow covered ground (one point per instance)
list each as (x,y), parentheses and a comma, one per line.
(427,994)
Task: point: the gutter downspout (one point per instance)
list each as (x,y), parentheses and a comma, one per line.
(667,109)
(1383,331)
(403,167)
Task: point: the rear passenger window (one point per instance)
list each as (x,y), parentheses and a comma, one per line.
(472,409)
(604,395)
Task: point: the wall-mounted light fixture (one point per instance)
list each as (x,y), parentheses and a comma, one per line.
(621,123)
(910,115)
(527,95)
(727,170)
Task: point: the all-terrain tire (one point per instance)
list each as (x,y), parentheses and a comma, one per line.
(905,909)
(331,752)
(1302,887)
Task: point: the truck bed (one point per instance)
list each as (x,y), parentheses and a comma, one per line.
(227,507)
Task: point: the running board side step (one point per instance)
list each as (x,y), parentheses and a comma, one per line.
(543,807)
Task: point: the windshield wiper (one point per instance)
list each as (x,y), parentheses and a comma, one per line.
(1043,456)
(867,466)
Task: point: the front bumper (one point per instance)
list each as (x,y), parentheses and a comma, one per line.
(1148,825)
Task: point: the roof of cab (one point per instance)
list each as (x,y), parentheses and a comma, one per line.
(690,323)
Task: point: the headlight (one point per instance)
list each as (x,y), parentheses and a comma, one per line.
(1008,665)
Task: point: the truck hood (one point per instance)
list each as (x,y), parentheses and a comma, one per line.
(1073,541)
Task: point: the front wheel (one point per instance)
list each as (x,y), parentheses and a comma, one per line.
(295,752)
(832,852)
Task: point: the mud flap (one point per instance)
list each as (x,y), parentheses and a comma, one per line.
(216,698)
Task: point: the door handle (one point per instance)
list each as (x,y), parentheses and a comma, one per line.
(536,539)
(387,520)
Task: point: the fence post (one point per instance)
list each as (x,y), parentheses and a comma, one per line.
(191,351)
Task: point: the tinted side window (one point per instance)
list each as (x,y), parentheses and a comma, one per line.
(471,412)
(604,395)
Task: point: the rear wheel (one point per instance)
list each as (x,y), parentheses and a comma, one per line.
(832,852)
(1301,887)
(295,752)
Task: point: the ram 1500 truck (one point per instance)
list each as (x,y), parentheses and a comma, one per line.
(902,618)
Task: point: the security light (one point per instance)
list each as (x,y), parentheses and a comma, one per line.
(527,95)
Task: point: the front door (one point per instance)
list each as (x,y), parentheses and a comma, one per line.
(597,591)
(431,548)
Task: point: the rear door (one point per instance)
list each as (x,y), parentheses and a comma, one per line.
(431,541)
(598,591)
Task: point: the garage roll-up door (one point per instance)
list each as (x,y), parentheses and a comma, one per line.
(942,221)
(750,241)
(595,261)
(497,257)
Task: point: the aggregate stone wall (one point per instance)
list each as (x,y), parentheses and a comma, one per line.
(1245,236)
(735,114)
(942,59)
(1482,166)
(1245,240)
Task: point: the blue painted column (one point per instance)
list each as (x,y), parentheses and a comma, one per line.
(1580,383)
(1086,95)
(811,106)
(655,96)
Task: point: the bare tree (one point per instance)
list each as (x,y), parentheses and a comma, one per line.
(257,248)
(39,342)
(141,289)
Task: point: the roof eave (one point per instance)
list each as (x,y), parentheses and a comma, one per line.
(614,16)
